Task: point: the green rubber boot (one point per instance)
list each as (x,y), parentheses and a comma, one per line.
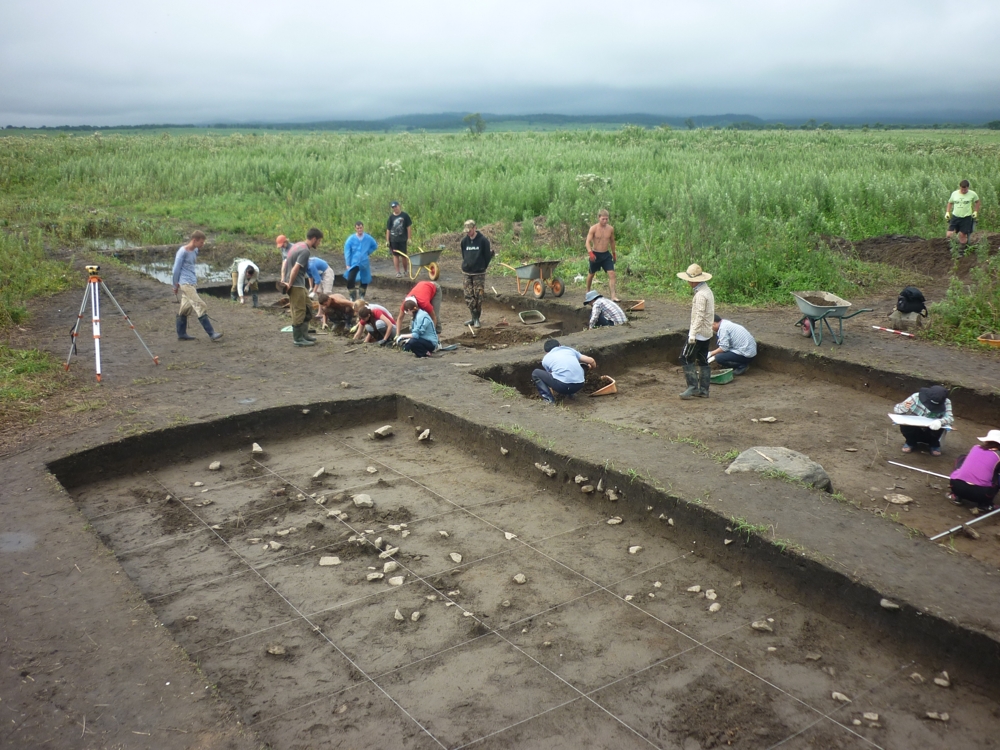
(691,377)
(704,381)
(299,333)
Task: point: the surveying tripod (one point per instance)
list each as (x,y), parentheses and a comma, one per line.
(93,293)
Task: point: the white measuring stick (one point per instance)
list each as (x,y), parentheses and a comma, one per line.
(959,528)
(922,471)
(893,330)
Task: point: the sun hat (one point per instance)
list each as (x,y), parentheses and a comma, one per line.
(591,296)
(993,436)
(933,397)
(281,240)
(550,344)
(694,273)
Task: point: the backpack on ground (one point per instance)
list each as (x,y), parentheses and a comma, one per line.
(911,300)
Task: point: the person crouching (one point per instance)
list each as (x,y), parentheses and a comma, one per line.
(561,372)
(603,311)
(422,340)
(933,403)
(976,478)
(375,324)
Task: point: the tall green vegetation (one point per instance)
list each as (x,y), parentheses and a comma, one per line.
(752,207)
(970,308)
(25,272)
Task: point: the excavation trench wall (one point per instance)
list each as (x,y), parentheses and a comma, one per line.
(664,350)
(750,557)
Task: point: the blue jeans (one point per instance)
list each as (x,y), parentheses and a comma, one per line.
(545,384)
(732,359)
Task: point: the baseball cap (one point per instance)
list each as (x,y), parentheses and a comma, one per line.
(281,240)
(394,204)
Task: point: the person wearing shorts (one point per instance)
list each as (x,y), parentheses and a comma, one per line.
(398,232)
(601,252)
(375,323)
(961,214)
(185,281)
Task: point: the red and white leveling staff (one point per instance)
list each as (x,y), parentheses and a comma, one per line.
(93,293)
(893,330)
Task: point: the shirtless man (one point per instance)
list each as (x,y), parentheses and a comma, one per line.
(601,251)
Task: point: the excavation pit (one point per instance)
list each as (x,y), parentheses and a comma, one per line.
(603,642)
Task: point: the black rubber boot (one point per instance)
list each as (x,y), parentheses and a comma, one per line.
(704,381)
(353,293)
(363,292)
(207,325)
(255,298)
(182,328)
(691,378)
(299,334)
(470,321)
(232,296)
(306,334)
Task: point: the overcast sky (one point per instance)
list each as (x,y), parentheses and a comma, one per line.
(107,62)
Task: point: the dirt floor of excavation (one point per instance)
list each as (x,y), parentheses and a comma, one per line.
(312,652)
(848,432)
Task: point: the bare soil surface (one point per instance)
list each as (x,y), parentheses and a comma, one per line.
(88,663)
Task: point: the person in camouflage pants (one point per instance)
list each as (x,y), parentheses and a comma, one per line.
(476,257)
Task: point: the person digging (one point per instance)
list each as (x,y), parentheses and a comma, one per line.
(976,478)
(561,371)
(245,274)
(694,357)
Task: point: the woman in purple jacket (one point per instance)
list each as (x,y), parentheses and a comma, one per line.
(976,477)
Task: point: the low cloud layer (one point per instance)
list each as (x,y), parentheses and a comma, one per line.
(114,62)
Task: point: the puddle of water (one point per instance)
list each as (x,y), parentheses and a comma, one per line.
(163,270)
(16,541)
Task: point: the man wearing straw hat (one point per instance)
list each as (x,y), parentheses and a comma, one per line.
(697,371)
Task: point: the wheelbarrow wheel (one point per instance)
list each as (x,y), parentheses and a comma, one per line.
(558,287)
(433,271)
(538,288)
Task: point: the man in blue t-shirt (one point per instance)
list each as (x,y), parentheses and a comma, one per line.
(320,276)
(562,371)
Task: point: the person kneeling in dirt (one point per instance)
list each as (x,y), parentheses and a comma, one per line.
(562,371)
(931,402)
(976,478)
(603,311)
(427,295)
(245,274)
(736,347)
(335,310)
(375,323)
(422,339)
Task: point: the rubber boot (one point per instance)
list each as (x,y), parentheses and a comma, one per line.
(299,334)
(704,381)
(363,292)
(353,293)
(470,321)
(255,300)
(182,328)
(475,322)
(545,392)
(232,296)
(207,325)
(691,377)
(305,332)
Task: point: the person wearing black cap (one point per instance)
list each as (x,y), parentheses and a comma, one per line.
(561,372)
(398,231)
(932,403)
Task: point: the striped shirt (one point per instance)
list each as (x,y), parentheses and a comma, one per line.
(611,311)
(735,338)
(913,405)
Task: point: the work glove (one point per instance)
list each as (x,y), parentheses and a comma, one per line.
(975,216)
(947,215)
(711,360)
(935,425)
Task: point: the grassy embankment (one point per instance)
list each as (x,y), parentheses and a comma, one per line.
(751,207)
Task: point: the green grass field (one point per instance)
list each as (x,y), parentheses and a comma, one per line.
(751,207)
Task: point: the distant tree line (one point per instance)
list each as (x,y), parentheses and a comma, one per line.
(477,123)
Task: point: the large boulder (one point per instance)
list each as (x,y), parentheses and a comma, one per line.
(791,463)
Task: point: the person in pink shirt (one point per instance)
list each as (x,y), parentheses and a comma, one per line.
(976,478)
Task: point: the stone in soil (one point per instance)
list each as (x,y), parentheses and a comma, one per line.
(711,595)
(715,607)
(396,581)
(509,536)
(520,578)
(870,716)
(191,618)
(635,549)
(455,557)
(696,589)
(274,546)
(942,680)
(256,449)
(327,561)
(372,470)
(383,432)
(363,501)
(425,435)
(611,495)
(888,604)
(415,616)
(389,553)
(935,716)
(614,520)
(546,469)
(320,472)
(762,626)
(375,577)
(390,567)
(215,466)
(580,479)
(840,697)
(276,650)
(896,499)
(796,465)
(587,489)
(398,615)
